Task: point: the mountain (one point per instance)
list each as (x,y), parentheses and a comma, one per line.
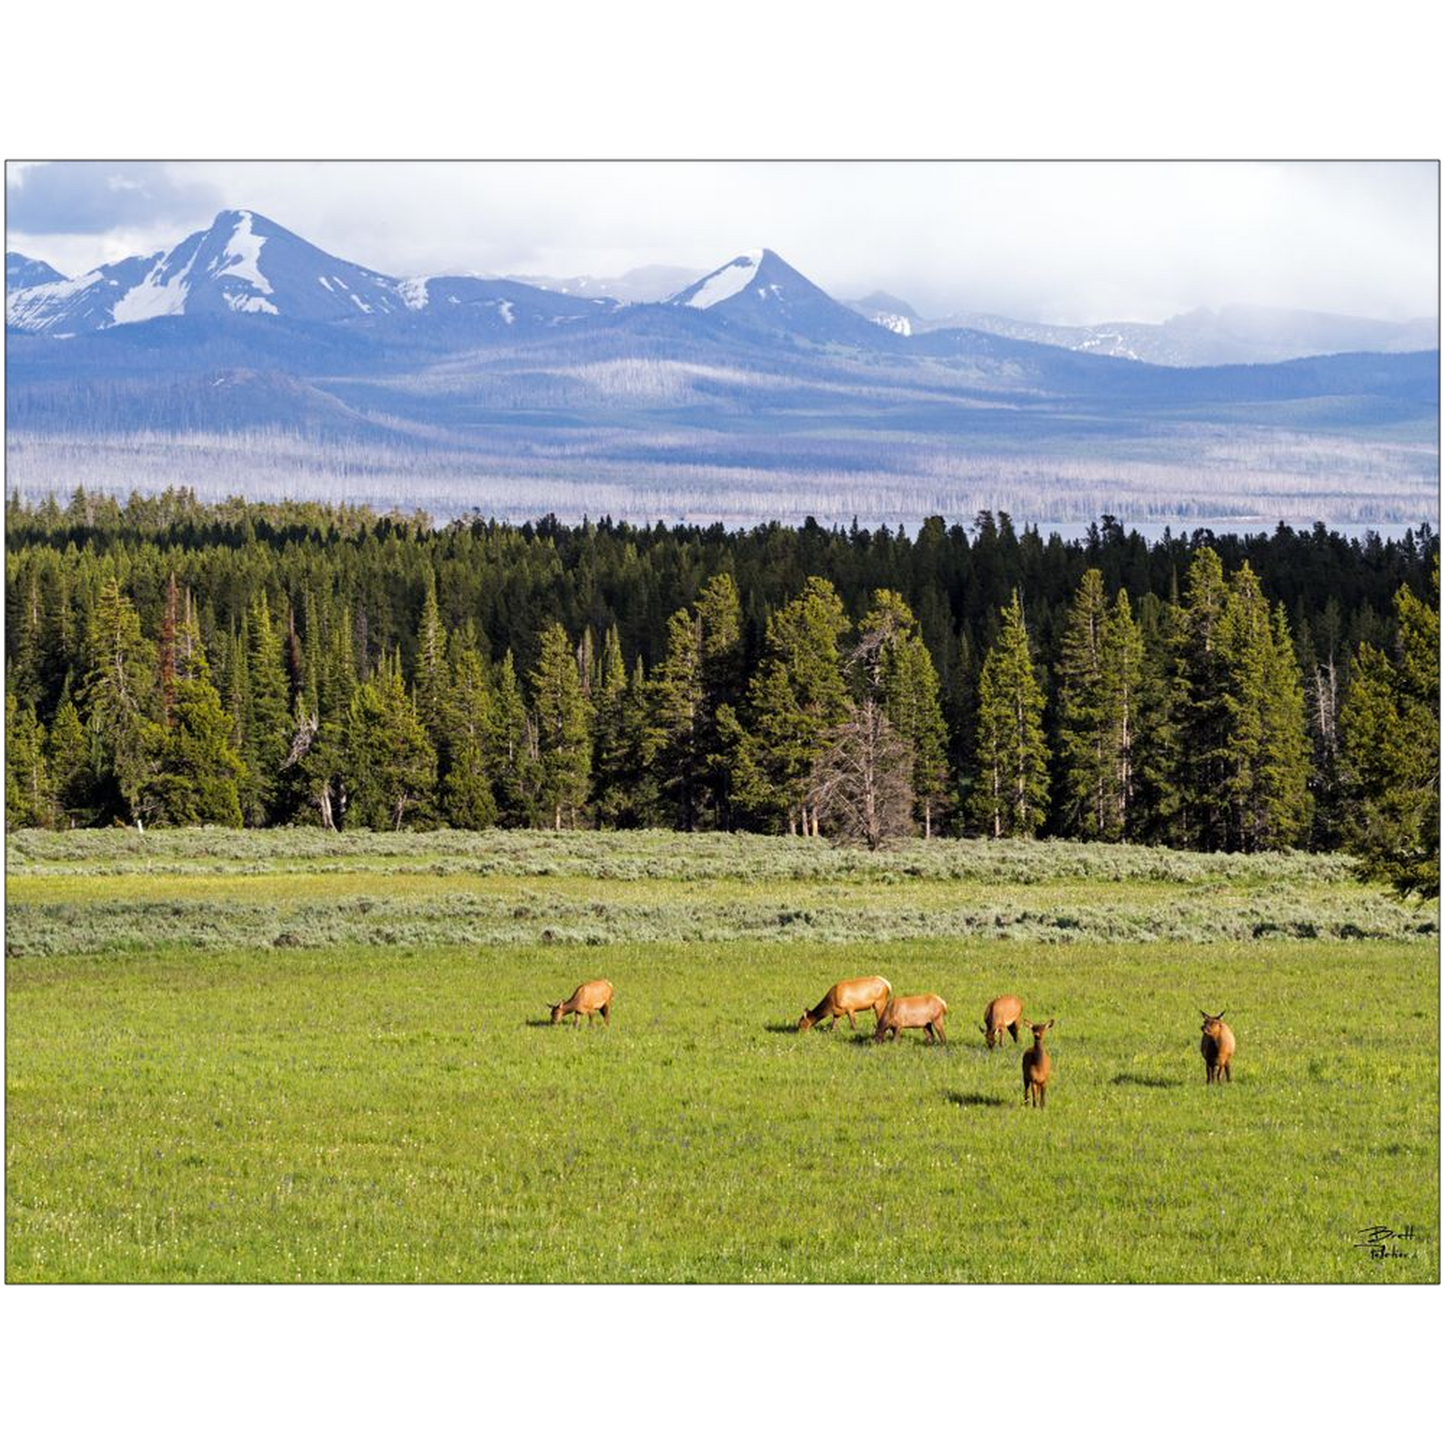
(642,283)
(889,312)
(246,358)
(243,263)
(22,271)
(759,292)
(1245,335)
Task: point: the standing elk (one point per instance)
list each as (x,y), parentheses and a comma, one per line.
(848,997)
(1036,1065)
(1003,1013)
(1217,1046)
(587,998)
(918,1011)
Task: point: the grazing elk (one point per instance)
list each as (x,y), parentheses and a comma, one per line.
(918,1011)
(848,997)
(1217,1046)
(1003,1013)
(587,998)
(1036,1065)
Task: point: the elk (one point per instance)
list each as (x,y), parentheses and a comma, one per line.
(1036,1065)
(918,1011)
(1003,1013)
(1217,1045)
(587,998)
(849,996)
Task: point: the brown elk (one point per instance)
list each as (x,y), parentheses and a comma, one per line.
(1003,1013)
(848,997)
(1217,1045)
(587,998)
(1036,1065)
(918,1011)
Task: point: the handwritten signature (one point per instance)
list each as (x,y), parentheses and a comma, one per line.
(1380,1240)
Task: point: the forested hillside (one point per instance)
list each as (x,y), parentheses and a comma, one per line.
(169,662)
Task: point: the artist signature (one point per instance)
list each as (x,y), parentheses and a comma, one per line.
(1383,1242)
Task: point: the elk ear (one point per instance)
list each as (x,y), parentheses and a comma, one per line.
(1220,1014)
(1202,1014)
(1050,1024)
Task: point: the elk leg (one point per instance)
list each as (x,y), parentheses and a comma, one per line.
(852,1022)
(1228,1075)
(607,1014)
(1013,1028)
(942,1037)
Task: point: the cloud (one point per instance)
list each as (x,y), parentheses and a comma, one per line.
(1062,242)
(95,197)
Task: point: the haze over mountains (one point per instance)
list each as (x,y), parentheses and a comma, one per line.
(245,359)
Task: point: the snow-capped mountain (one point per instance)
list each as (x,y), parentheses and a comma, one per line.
(1231,335)
(759,292)
(22,271)
(242,264)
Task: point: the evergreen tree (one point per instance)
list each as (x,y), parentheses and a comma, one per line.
(467,797)
(1099,672)
(118,698)
(673,748)
(1391,727)
(614,761)
(720,655)
(1201,711)
(390,762)
(29,801)
(564,739)
(1266,775)
(68,762)
(795,699)
(198,769)
(1011,780)
(511,755)
(893,665)
(266,722)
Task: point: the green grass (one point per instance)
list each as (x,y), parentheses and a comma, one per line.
(85,891)
(365,1111)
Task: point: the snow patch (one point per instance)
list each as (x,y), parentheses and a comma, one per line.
(249,303)
(154,297)
(243,252)
(30,304)
(414,292)
(505,307)
(359,302)
(726,281)
(324,282)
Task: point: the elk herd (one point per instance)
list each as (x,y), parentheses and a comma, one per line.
(1004,1015)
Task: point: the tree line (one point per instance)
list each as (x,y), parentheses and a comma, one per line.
(172,663)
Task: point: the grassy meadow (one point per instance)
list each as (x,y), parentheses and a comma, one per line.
(288,1056)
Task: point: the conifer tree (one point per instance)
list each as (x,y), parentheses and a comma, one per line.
(1011,781)
(563,722)
(614,763)
(68,762)
(893,664)
(118,698)
(796,699)
(198,770)
(1200,706)
(1099,677)
(1391,727)
(466,793)
(390,762)
(266,721)
(29,802)
(673,748)
(511,755)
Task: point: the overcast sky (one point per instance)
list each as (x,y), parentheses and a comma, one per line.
(1066,242)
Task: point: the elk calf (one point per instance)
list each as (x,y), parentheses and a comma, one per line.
(918,1011)
(1036,1065)
(848,997)
(587,998)
(1217,1046)
(1003,1013)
